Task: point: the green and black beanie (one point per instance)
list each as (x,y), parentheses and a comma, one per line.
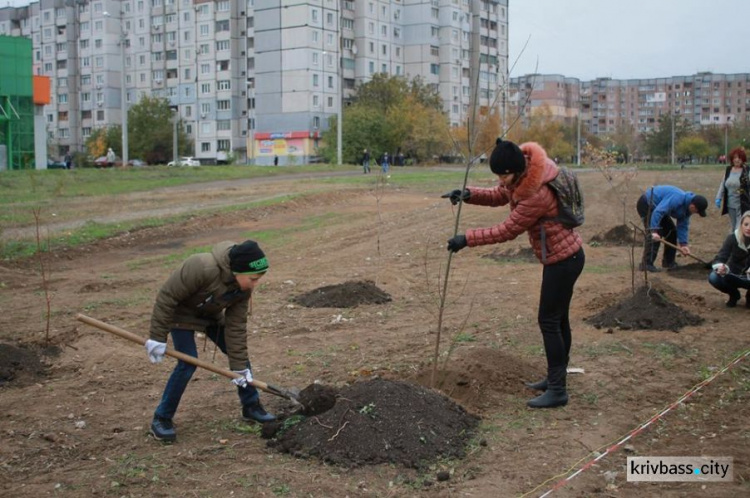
(247,257)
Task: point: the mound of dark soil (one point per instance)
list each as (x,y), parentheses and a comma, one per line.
(347,295)
(648,309)
(524,254)
(381,421)
(692,271)
(620,235)
(482,378)
(20,364)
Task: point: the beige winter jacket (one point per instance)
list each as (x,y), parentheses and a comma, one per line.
(204,292)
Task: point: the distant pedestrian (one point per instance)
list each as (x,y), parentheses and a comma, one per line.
(68,160)
(385,163)
(275,160)
(111,157)
(366,161)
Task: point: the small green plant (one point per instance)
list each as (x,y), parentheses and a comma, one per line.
(368,409)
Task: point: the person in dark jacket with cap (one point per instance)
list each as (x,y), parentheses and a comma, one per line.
(524,174)
(209,292)
(656,207)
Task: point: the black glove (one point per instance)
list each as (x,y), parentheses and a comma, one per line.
(455,196)
(457,243)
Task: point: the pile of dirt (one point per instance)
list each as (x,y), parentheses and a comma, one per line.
(21,365)
(347,295)
(692,271)
(648,309)
(380,421)
(620,235)
(523,254)
(483,378)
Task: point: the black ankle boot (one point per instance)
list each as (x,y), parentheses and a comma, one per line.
(555,395)
(538,386)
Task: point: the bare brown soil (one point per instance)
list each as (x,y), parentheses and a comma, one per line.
(76,423)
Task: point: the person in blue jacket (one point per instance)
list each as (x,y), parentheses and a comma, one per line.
(656,207)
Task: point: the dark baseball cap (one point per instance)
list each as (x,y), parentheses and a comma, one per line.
(701,204)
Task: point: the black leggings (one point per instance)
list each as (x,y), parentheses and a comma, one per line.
(558,280)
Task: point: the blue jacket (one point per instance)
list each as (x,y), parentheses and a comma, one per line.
(667,200)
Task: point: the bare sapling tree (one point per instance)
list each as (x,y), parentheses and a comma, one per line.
(43,271)
(618,178)
(477,126)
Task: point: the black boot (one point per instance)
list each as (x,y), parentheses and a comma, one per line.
(555,395)
(540,385)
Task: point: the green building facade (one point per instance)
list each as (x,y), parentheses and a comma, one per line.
(16,104)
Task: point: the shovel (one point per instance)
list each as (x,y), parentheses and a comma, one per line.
(669,244)
(291,395)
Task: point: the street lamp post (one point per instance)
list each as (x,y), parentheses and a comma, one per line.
(123,92)
(175,120)
(726,139)
(340,92)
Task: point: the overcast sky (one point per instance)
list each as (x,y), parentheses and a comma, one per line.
(624,39)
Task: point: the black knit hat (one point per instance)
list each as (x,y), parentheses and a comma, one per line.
(247,257)
(507,158)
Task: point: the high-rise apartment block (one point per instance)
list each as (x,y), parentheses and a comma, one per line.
(606,104)
(257,78)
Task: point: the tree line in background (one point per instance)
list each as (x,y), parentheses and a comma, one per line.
(150,135)
(392,114)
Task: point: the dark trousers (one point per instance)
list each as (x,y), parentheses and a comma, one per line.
(667,229)
(184,342)
(729,283)
(558,280)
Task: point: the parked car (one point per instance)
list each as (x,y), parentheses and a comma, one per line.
(137,163)
(101,162)
(55,164)
(185,161)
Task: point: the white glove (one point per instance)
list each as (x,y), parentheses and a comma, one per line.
(247,377)
(156,350)
(720,268)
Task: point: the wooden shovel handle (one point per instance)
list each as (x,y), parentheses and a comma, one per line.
(669,244)
(184,357)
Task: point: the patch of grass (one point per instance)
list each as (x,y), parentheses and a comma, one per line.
(464,337)
(590,398)
(667,351)
(131,467)
(604,269)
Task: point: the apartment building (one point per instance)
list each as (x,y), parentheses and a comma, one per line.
(258,78)
(606,104)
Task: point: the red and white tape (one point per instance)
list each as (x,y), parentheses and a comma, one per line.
(637,430)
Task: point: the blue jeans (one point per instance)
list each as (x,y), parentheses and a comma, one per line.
(729,283)
(184,342)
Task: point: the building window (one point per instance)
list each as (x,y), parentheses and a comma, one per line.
(223,105)
(223,125)
(205,88)
(205,146)
(223,145)
(222,45)
(224,85)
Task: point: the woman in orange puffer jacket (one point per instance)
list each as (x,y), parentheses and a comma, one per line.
(524,173)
